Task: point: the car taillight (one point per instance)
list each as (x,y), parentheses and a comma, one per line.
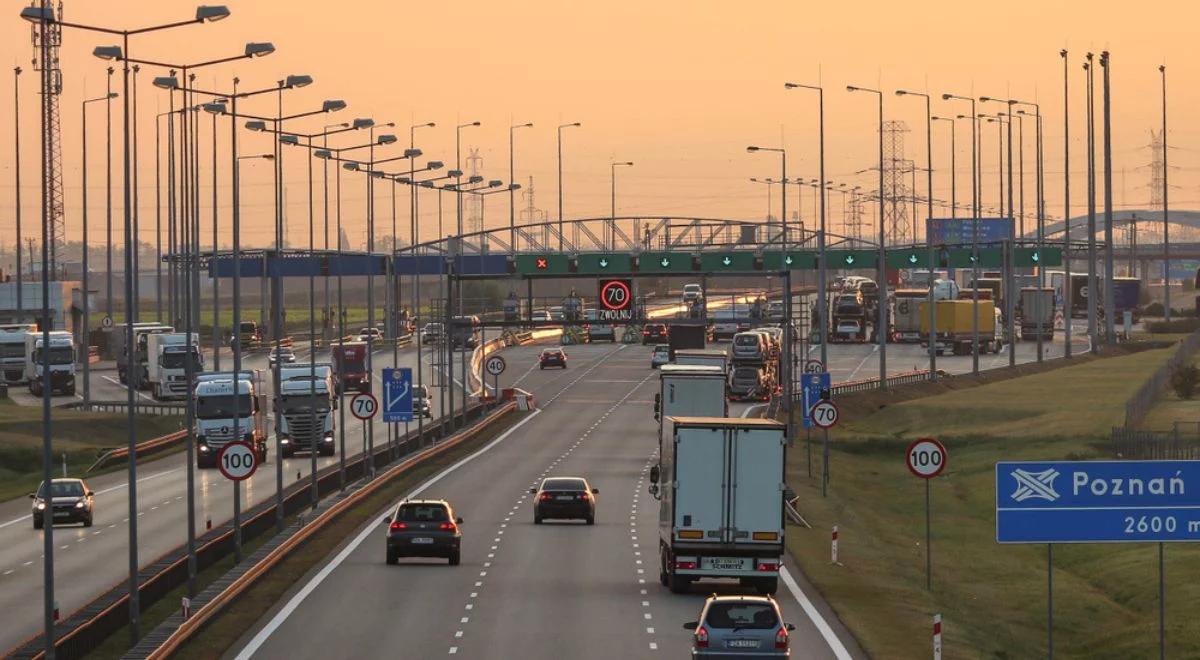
(702,638)
(545,497)
(767,566)
(583,496)
(448,527)
(685,565)
(397,526)
(781,638)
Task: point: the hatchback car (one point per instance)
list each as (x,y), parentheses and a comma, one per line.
(423,528)
(370,334)
(280,356)
(552,357)
(69,500)
(652,332)
(740,627)
(433,333)
(660,356)
(564,498)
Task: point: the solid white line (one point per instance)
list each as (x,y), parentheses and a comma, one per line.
(370,528)
(831,638)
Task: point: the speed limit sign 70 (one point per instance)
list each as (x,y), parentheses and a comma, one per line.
(926,458)
(824,414)
(364,406)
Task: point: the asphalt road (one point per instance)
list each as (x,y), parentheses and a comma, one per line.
(555,590)
(88,562)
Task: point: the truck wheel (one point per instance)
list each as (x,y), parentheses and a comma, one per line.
(678,584)
(70,391)
(662,568)
(37,523)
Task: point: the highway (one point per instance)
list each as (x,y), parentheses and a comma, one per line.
(523,591)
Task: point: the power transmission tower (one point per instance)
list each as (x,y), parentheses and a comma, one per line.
(896,193)
(57,220)
(531,213)
(1156,169)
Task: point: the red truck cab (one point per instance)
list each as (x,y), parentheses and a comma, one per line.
(350,367)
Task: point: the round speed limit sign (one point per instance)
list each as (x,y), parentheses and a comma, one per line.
(237,461)
(926,458)
(824,414)
(495,365)
(814,367)
(364,406)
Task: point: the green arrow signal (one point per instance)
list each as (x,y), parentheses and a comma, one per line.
(849,259)
(912,258)
(664,262)
(1034,257)
(788,260)
(603,263)
(727,261)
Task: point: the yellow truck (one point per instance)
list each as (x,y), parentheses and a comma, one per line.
(955,327)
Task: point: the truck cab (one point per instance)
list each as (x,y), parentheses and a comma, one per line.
(127,356)
(229,407)
(305,420)
(168,354)
(350,367)
(12,351)
(61,353)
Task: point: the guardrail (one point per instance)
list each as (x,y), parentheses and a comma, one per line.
(868,384)
(139,408)
(239,585)
(78,633)
(144,448)
(1153,445)
(1139,404)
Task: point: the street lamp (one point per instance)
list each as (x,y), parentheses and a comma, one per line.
(975,195)
(560,184)
(87,389)
(1010,302)
(1162,70)
(611,239)
(512,176)
(822,272)
(928,239)
(881,327)
(783,188)
(769,182)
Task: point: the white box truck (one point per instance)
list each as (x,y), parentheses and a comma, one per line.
(720,486)
(1035,301)
(702,357)
(218,411)
(12,351)
(688,391)
(307,399)
(62,362)
(167,354)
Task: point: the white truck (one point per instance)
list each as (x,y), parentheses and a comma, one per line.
(720,486)
(906,321)
(62,362)
(1034,303)
(702,357)
(307,399)
(688,391)
(12,351)
(136,364)
(219,411)
(167,354)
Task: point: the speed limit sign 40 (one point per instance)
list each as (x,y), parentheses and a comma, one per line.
(237,461)
(926,458)
(824,414)
(364,406)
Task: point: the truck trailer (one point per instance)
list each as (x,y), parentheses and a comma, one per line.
(12,351)
(955,328)
(689,390)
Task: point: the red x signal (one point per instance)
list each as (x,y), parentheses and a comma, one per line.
(543,263)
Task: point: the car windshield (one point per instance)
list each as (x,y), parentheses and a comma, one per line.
(420,392)
(12,350)
(57,355)
(422,513)
(745,373)
(662,349)
(62,489)
(564,484)
(749,616)
(179,360)
(301,402)
(221,406)
(746,340)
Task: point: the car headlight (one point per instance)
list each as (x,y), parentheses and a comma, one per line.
(79,504)
(41,506)
(203,447)
(283,441)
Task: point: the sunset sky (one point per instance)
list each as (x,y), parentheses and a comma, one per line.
(680,88)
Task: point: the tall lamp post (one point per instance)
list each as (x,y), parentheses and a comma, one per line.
(560,182)
(1010,265)
(1162,70)
(974,227)
(928,236)
(823,270)
(783,188)
(953,164)
(87,383)
(881,322)
(769,182)
(1068,298)
(612,219)
(17,186)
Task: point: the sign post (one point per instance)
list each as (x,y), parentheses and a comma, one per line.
(495,365)
(926,459)
(817,387)
(397,395)
(363,406)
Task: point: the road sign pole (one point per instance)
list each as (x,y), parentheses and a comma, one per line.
(808,449)
(1162,607)
(825,463)
(1050,600)
(237,521)
(928,543)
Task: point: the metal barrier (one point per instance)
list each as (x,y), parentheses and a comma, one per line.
(1153,445)
(868,384)
(78,633)
(139,408)
(1139,404)
(144,448)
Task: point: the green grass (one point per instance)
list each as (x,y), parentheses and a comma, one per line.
(1170,408)
(992,597)
(81,435)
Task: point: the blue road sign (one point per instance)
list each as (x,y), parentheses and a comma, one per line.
(811,387)
(1098,501)
(957,231)
(397,395)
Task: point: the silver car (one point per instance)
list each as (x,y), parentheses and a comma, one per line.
(660,356)
(739,628)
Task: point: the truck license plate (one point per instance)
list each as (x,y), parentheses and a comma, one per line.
(422,540)
(725,563)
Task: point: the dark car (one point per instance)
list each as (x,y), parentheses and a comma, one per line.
(552,357)
(423,528)
(740,627)
(564,498)
(652,332)
(420,401)
(70,500)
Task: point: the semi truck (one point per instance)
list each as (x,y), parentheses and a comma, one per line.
(12,351)
(955,328)
(350,367)
(120,335)
(1127,293)
(226,401)
(61,353)
(686,336)
(166,363)
(689,390)
(305,422)
(1037,304)
(720,485)
(906,322)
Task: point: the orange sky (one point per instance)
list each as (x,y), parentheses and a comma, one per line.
(680,88)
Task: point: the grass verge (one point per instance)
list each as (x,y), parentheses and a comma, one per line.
(82,436)
(223,631)
(992,597)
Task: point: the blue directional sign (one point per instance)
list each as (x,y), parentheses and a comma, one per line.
(957,231)
(1098,502)
(811,387)
(397,395)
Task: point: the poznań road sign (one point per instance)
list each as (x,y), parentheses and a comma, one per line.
(397,395)
(1097,501)
(812,386)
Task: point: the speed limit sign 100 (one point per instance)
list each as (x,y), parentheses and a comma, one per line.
(237,461)
(926,458)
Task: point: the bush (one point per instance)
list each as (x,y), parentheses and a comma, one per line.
(1185,379)
(1176,326)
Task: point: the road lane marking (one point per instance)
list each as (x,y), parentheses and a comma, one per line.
(831,638)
